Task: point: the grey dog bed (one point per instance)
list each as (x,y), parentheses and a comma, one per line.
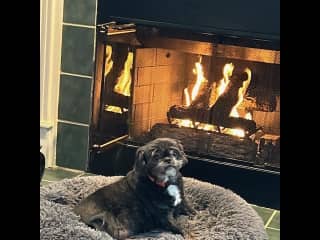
(220,213)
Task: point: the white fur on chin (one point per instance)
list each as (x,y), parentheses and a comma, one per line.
(173,191)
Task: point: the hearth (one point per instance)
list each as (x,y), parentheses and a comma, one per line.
(217,93)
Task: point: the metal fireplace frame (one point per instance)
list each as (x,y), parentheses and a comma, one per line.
(258,185)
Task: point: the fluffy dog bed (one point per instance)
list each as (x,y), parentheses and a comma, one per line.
(221,214)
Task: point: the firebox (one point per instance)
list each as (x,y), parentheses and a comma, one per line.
(220,96)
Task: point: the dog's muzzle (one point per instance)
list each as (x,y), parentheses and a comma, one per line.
(170,176)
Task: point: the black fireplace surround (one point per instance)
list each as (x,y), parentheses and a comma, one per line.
(252,24)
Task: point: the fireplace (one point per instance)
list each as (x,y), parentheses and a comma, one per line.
(218,94)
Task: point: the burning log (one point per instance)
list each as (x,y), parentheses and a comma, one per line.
(222,108)
(203,115)
(207,143)
(219,113)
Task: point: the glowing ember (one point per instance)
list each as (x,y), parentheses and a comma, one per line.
(115,109)
(124,81)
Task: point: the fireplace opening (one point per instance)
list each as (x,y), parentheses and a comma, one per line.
(220,96)
(222,101)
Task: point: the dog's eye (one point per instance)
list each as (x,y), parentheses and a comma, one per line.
(174,153)
(156,155)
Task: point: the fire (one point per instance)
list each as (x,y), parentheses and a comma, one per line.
(199,81)
(124,80)
(223,83)
(186,94)
(248,116)
(217,89)
(234,111)
(109,63)
(115,109)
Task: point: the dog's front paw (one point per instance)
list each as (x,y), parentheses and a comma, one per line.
(121,233)
(187,209)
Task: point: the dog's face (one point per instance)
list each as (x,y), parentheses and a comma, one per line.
(160,159)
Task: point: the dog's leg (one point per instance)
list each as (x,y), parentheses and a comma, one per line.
(107,222)
(186,208)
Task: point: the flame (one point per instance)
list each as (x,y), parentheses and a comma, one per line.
(217,89)
(241,93)
(198,70)
(124,80)
(186,94)
(248,116)
(109,63)
(200,79)
(234,111)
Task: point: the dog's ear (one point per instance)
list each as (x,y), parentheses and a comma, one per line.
(140,159)
(179,144)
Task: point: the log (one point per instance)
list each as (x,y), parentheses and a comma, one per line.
(203,115)
(199,142)
(259,103)
(221,110)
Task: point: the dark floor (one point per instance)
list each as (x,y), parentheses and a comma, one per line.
(270,217)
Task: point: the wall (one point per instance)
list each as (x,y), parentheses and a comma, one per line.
(50,40)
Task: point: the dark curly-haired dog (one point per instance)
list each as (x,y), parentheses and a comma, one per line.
(150,197)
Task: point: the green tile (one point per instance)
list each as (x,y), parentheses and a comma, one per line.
(44,182)
(72,146)
(88,174)
(79,12)
(275,222)
(77,50)
(264,213)
(56,174)
(74,98)
(273,234)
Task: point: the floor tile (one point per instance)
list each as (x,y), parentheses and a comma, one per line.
(87,174)
(275,222)
(273,234)
(44,182)
(264,213)
(56,174)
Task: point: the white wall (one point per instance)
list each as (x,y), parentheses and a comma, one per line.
(51,16)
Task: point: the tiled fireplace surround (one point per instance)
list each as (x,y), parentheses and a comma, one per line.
(75,83)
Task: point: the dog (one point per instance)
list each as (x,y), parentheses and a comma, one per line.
(150,197)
